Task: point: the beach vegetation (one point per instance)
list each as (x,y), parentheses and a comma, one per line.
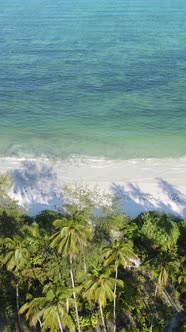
(90,268)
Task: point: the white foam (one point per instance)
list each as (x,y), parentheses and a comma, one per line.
(141,184)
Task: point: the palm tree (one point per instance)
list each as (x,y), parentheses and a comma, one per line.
(159,234)
(119,253)
(51,310)
(15,258)
(70,239)
(98,287)
(162,269)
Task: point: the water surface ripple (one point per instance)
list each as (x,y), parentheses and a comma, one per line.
(93,77)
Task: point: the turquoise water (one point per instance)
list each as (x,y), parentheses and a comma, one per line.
(93,77)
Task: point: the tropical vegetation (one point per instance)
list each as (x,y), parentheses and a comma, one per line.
(90,268)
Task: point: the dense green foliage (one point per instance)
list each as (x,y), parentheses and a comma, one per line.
(89,268)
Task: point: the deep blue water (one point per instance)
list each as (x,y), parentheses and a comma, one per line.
(93,77)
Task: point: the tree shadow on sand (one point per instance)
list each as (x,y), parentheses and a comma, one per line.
(175,196)
(132,200)
(36,184)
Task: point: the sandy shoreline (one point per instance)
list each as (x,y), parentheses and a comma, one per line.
(141,185)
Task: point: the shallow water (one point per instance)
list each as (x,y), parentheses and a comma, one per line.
(102,78)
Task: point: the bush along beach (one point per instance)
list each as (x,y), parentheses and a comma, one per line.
(88,267)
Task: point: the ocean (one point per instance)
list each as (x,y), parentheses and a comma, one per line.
(101,78)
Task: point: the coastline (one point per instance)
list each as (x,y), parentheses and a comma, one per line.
(141,184)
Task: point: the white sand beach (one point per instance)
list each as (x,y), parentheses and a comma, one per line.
(141,185)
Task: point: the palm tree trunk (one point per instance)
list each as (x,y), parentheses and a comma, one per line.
(40,324)
(84,263)
(59,323)
(74,294)
(17,305)
(115,289)
(102,317)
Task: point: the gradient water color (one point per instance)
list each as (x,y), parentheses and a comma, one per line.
(93,77)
